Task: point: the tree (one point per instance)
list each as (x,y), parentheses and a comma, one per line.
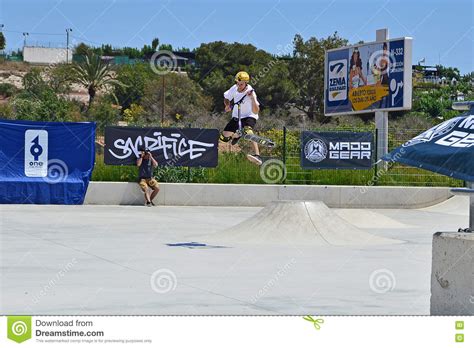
(131,52)
(39,102)
(104,113)
(133,79)
(184,99)
(435,102)
(154,43)
(60,78)
(7,90)
(218,62)
(468,78)
(46,106)
(166,47)
(307,72)
(147,50)
(107,50)
(82,49)
(33,82)
(2,41)
(448,72)
(94,74)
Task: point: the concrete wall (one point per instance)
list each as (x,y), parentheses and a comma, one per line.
(452,274)
(112,193)
(45,55)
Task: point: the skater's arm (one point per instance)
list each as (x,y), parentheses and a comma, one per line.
(228,96)
(139,160)
(253,98)
(227,105)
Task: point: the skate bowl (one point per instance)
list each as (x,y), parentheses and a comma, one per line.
(297,223)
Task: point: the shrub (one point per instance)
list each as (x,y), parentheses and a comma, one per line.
(104,113)
(7,90)
(45,106)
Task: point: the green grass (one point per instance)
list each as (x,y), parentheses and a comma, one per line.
(236,169)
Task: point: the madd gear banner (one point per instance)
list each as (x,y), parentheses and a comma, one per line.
(45,162)
(336,150)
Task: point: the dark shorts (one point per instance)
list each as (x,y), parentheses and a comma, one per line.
(233,124)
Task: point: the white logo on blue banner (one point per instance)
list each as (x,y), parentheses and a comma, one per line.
(36,153)
(337,80)
(316,150)
(435,132)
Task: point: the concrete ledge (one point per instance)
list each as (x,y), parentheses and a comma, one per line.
(119,193)
(452,274)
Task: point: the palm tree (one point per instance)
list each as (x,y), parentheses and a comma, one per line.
(93,74)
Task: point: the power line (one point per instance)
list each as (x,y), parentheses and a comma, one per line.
(32,33)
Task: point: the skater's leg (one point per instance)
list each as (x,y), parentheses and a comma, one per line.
(255,148)
(226,134)
(255,156)
(229,131)
(249,124)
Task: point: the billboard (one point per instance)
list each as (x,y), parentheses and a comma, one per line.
(336,150)
(189,147)
(368,77)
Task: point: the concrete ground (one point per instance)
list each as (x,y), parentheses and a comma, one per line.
(115,260)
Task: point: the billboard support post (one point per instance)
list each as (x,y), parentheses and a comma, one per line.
(381,117)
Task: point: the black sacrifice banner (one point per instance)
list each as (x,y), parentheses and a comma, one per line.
(336,150)
(189,147)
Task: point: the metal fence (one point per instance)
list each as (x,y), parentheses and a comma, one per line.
(282,164)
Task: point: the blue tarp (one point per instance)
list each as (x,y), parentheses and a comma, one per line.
(45,162)
(447,148)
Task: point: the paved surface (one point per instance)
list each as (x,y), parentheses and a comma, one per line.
(115,260)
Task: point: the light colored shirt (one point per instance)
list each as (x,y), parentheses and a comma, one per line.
(246,106)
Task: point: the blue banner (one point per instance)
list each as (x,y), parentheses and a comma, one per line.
(45,162)
(447,148)
(336,150)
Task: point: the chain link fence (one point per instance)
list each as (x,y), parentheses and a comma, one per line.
(282,164)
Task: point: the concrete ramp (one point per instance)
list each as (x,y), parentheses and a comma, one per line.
(457,205)
(297,223)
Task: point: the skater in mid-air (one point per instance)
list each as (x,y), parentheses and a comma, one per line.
(241,100)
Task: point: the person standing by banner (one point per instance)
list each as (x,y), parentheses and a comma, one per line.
(244,100)
(146,164)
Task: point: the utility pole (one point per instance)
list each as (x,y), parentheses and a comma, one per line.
(163,100)
(68,30)
(381,117)
(25,34)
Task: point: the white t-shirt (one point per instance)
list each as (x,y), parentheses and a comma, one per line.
(246,106)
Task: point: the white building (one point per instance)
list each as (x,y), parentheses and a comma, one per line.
(46,55)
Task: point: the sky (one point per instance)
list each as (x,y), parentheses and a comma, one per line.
(443,31)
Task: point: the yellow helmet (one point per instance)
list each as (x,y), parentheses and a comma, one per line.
(242,76)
